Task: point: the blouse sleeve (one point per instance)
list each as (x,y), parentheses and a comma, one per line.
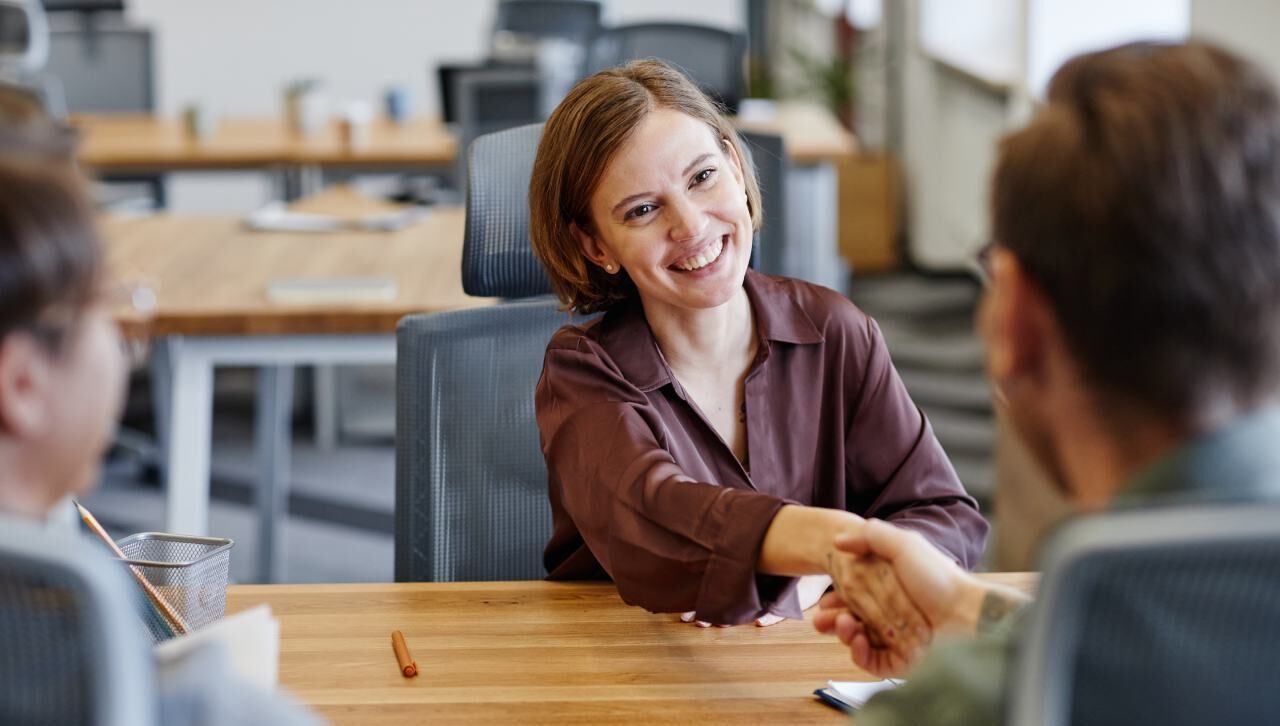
(671,544)
(897,469)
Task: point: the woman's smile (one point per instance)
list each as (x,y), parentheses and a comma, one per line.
(703,260)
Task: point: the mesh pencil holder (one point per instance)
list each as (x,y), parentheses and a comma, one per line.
(189,572)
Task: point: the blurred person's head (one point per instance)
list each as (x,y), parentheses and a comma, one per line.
(641,189)
(61,364)
(1136,259)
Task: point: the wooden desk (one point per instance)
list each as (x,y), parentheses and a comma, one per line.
(210,275)
(809,132)
(137,143)
(142,143)
(541,652)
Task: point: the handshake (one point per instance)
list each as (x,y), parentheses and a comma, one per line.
(894,591)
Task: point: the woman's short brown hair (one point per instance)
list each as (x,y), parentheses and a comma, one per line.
(579,141)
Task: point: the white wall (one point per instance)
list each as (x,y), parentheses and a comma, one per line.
(951,125)
(233,57)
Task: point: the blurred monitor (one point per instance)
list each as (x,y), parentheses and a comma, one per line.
(103,69)
(84,6)
(447,75)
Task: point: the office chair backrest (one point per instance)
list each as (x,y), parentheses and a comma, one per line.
(24,37)
(471,484)
(714,58)
(573,20)
(104,67)
(769,156)
(72,648)
(497,257)
(1167,616)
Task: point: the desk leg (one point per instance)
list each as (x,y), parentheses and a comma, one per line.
(161,370)
(324,400)
(274,441)
(187,445)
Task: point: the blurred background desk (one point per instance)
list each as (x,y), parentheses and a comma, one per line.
(519,652)
(211,276)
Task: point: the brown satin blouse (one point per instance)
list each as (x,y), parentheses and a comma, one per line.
(645,491)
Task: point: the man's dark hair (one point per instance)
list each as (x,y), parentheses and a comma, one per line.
(50,258)
(1144,199)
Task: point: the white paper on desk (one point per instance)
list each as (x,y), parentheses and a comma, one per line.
(856,693)
(322,290)
(250,639)
(276,217)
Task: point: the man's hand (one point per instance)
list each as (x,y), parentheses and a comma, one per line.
(948,597)
(885,614)
(834,617)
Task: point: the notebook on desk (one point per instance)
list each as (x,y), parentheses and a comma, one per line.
(849,696)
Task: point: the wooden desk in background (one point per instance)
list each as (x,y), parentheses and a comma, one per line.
(542,652)
(210,275)
(143,143)
(817,146)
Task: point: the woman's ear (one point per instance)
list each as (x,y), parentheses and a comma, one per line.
(594,249)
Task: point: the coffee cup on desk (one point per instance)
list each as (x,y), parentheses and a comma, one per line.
(354,124)
(395,101)
(195,122)
(303,107)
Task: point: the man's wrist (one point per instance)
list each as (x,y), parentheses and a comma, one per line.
(981,606)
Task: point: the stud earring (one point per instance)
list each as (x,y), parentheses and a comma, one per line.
(608,268)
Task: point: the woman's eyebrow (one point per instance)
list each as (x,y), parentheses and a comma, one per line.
(687,170)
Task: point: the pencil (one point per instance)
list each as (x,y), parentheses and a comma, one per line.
(407,666)
(167,611)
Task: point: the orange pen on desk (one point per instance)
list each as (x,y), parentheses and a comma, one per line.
(407,666)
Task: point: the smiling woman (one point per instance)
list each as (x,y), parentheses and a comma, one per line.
(709,436)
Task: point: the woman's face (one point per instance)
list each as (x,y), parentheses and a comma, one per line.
(671,210)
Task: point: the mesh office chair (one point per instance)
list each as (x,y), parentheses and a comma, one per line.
(1167,616)
(576,21)
(768,154)
(714,58)
(72,649)
(471,484)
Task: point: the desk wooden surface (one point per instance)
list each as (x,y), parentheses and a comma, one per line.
(541,652)
(144,143)
(139,142)
(210,273)
(809,132)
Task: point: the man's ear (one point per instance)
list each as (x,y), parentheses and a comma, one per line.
(1016,320)
(594,249)
(25,382)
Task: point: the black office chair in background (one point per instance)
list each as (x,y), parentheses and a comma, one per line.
(576,21)
(1167,616)
(712,57)
(769,157)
